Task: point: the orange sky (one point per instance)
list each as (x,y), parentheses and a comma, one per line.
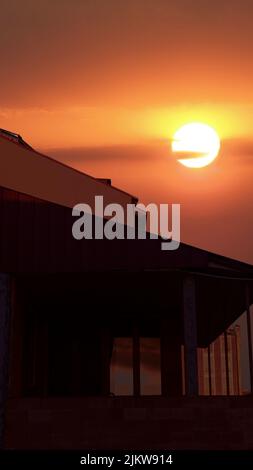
(103,85)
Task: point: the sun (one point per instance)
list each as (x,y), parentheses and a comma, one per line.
(197,145)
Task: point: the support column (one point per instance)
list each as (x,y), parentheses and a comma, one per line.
(4,347)
(249,330)
(136,362)
(209,370)
(107,345)
(226,362)
(190,336)
(16,342)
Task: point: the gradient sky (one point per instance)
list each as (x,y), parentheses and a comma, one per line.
(104,84)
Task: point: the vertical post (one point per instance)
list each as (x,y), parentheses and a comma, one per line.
(16,347)
(249,336)
(236,350)
(226,362)
(218,349)
(4,347)
(209,369)
(190,336)
(45,332)
(165,358)
(136,362)
(106,344)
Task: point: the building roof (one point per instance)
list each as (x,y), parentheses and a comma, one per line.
(13,137)
(27,171)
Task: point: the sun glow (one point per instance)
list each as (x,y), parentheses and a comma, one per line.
(197,145)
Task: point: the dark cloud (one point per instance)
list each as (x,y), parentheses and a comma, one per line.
(142,152)
(237,150)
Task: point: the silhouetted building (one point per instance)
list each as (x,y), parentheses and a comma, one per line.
(64,305)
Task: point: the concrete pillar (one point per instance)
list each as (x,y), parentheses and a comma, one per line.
(136,362)
(4,346)
(226,362)
(249,333)
(209,370)
(106,353)
(190,336)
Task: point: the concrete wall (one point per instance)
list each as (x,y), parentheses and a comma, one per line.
(130,423)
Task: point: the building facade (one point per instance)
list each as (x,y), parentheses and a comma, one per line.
(65,303)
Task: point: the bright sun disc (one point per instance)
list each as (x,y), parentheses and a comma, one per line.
(197,145)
